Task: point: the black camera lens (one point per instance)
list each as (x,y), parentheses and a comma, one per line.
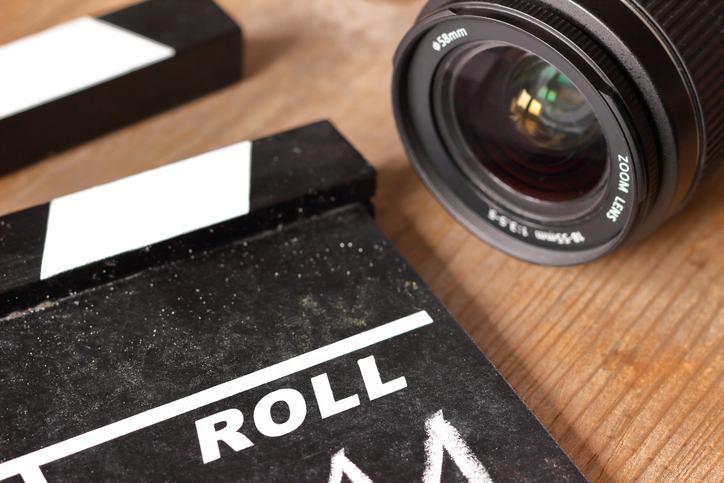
(557,132)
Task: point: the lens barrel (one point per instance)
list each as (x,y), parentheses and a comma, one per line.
(558,131)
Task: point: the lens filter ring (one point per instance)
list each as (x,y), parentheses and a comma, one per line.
(608,206)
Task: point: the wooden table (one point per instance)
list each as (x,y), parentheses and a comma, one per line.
(621,359)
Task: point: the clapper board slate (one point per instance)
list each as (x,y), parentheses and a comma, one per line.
(277,337)
(89,76)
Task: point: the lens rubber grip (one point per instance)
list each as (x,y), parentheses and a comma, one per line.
(696,29)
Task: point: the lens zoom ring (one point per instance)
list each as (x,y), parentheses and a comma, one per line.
(696,28)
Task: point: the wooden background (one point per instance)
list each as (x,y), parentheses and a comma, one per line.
(622,359)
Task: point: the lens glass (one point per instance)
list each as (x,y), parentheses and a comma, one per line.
(525,123)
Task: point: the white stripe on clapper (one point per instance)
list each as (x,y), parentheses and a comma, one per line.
(68,58)
(147,208)
(29,464)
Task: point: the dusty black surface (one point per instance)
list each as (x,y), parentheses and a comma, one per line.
(294,174)
(137,343)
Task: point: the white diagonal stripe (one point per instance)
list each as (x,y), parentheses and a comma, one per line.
(147,208)
(68,58)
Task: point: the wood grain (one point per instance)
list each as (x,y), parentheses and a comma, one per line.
(621,359)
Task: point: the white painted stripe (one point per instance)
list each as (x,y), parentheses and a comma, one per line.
(33,475)
(149,207)
(28,463)
(69,58)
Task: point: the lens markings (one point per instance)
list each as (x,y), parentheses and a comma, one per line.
(560,238)
(446,39)
(505,222)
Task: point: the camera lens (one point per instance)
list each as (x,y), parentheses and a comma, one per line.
(525,124)
(559,131)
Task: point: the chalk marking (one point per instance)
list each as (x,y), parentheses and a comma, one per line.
(442,436)
(341,465)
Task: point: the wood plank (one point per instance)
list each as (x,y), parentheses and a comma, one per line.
(621,359)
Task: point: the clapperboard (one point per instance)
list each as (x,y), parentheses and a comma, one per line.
(239,316)
(89,76)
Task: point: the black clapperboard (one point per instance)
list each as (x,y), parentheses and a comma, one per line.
(78,80)
(239,316)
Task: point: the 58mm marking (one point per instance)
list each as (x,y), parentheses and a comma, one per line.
(446,39)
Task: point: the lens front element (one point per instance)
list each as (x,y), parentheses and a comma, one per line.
(518,121)
(547,110)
